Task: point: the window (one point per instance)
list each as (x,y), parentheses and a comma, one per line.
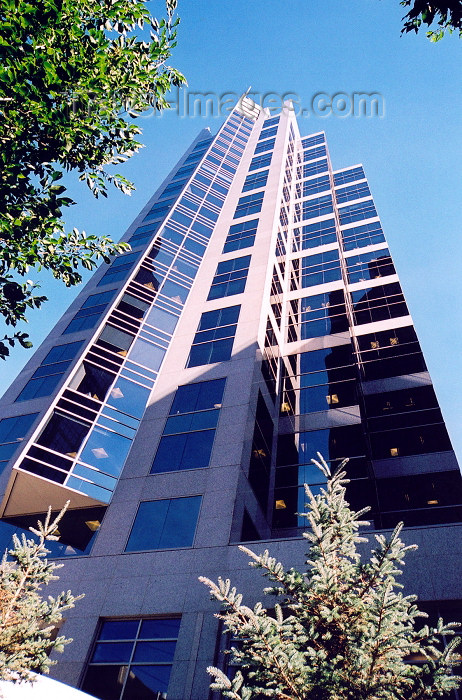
(361,236)
(107,450)
(348,176)
(260,455)
(352,192)
(322,379)
(92,381)
(314,153)
(185,170)
(270,122)
(250,204)
(78,529)
(214,339)
(12,432)
(317,184)
(260,162)
(318,315)
(313,235)
(195,156)
(402,409)
(268,133)
(115,340)
(390,353)
(64,434)
(294,468)
(133,307)
(36,388)
(356,212)
(47,377)
(128,397)
(317,269)
(120,268)
(160,209)
(263,146)
(313,140)
(335,444)
(326,362)
(378,303)
(230,278)
(144,233)
(368,266)
(132,659)
(199,396)
(90,312)
(421,499)
(208,214)
(203,144)
(255,180)
(325,396)
(189,204)
(189,432)
(313,208)
(417,440)
(98,299)
(174,188)
(314,168)
(62,353)
(161,319)
(241,236)
(165,524)
(126,259)
(147,354)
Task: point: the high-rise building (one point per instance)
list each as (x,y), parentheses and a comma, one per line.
(178,402)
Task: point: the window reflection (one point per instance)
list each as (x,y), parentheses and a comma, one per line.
(128,397)
(175,291)
(161,319)
(147,354)
(106,450)
(116,340)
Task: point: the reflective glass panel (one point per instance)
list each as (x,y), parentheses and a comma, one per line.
(147,354)
(162,524)
(128,397)
(106,450)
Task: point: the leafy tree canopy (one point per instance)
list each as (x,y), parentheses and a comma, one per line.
(73,73)
(341,630)
(446,14)
(26,620)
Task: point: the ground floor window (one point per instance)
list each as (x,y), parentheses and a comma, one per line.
(132,659)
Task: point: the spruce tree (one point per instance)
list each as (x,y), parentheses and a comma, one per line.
(341,630)
(27,621)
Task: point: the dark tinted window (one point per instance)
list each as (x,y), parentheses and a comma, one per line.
(12,432)
(47,377)
(198,397)
(132,659)
(168,523)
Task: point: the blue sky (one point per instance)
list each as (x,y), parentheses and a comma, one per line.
(411,155)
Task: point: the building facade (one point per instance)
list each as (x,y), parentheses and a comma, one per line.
(177,404)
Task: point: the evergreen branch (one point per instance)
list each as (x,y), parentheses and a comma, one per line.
(350,634)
